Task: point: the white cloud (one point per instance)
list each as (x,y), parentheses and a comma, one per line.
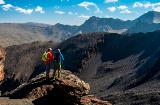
(21,10)
(87,4)
(145,5)
(157,9)
(111,9)
(84,16)
(148,4)
(39,9)
(76,13)
(7,7)
(59,12)
(125,11)
(110,1)
(2,2)
(108,16)
(70,13)
(122,7)
(137,4)
(66,0)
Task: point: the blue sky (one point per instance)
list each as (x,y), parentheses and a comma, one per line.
(72,12)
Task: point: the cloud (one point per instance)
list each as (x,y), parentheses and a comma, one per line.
(108,16)
(122,7)
(39,9)
(70,13)
(59,12)
(7,7)
(65,0)
(157,9)
(145,5)
(137,4)
(2,2)
(125,11)
(110,1)
(111,9)
(21,10)
(84,16)
(87,4)
(76,13)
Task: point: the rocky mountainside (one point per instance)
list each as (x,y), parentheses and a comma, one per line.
(16,33)
(149,17)
(148,22)
(143,27)
(2,59)
(119,68)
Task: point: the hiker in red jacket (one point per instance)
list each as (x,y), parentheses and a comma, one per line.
(48,62)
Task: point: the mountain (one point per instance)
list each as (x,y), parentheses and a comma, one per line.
(19,33)
(144,27)
(95,24)
(149,17)
(148,22)
(119,68)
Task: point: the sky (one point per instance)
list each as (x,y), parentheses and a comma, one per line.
(72,12)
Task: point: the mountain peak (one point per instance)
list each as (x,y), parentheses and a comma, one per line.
(150,17)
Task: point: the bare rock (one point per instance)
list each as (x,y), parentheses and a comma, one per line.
(67,90)
(2,59)
(92,100)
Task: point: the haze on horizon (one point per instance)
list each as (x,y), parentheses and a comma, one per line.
(72,12)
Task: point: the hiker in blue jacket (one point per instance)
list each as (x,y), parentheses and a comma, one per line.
(58,58)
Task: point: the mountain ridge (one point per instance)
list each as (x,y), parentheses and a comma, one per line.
(14,33)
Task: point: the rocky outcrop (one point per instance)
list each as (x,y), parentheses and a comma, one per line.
(2,59)
(67,90)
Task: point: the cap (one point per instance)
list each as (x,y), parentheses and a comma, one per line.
(58,50)
(50,49)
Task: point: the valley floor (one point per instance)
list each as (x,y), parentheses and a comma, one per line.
(8,101)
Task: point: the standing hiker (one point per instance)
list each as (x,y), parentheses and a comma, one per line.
(58,58)
(47,57)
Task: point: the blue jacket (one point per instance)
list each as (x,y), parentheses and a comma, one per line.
(61,57)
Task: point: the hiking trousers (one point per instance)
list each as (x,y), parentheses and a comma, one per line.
(48,67)
(57,66)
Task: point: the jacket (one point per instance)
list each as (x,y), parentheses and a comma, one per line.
(50,56)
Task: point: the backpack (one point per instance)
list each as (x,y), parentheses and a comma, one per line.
(44,56)
(57,57)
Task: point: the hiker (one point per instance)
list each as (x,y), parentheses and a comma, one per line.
(48,62)
(58,58)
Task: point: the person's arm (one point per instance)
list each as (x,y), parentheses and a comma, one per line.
(62,57)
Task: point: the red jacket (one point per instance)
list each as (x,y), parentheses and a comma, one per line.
(50,56)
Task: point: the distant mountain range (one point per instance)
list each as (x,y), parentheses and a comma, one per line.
(19,33)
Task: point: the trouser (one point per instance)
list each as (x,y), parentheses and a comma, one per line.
(48,67)
(57,66)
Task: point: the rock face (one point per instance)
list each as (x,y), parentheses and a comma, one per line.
(67,90)
(2,59)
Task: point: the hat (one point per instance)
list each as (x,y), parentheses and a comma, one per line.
(50,49)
